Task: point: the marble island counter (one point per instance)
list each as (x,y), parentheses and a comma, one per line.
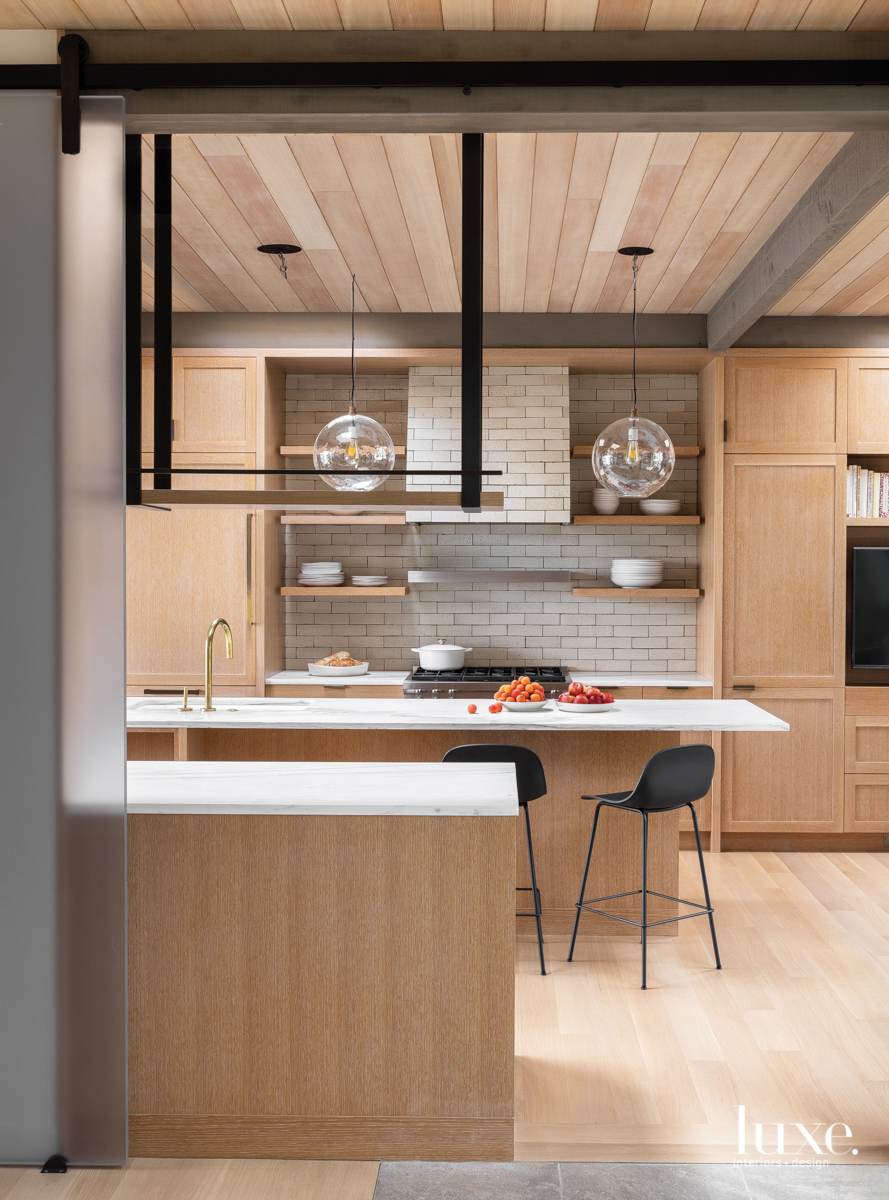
(415,715)
(358,789)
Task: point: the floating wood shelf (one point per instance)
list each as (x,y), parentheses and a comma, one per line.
(331,519)
(307,451)
(655,593)
(681,451)
(333,592)
(865,521)
(260,498)
(635,520)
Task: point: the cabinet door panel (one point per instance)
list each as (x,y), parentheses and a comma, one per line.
(784,576)
(208,482)
(867,804)
(214,405)
(869,406)
(785,405)
(787,782)
(867,744)
(183,570)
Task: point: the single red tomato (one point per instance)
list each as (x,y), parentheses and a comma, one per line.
(472,708)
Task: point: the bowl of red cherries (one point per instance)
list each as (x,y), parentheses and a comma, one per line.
(584,699)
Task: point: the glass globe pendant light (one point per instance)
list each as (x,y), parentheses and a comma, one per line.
(354,442)
(633,457)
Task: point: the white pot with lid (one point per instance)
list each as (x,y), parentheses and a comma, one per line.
(441,656)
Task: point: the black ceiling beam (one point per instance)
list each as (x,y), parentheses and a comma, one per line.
(472,322)
(643,73)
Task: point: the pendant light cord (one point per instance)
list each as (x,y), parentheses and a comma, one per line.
(635,275)
(352,393)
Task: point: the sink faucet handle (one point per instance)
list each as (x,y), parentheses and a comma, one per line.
(185,705)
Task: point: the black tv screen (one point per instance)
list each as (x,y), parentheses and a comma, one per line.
(870,607)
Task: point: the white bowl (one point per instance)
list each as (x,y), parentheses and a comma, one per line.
(665,508)
(317,669)
(525,706)
(583,708)
(604,506)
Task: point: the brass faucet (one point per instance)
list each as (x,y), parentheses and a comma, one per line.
(208,660)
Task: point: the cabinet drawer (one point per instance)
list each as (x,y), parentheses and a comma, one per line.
(867,804)
(320,691)
(624,693)
(867,701)
(867,744)
(677,693)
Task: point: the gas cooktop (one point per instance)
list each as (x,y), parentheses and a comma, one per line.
(479,682)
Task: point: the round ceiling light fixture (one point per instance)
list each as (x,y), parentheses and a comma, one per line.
(354,442)
(633,457)
(280,249)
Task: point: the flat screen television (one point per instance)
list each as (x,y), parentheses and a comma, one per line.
(870,607)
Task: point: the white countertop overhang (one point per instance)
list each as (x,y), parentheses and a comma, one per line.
(322,789)
(270,713)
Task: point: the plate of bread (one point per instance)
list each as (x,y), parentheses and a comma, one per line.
(340,663)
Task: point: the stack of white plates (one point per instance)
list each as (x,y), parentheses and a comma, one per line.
(369,580)
(637,572)
(321,574)
(660,508)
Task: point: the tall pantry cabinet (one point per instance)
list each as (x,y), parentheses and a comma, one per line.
(788,419)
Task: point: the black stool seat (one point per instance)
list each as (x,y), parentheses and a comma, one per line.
(530,785)
(671,779)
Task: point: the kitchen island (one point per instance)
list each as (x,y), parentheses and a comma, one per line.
(321,960)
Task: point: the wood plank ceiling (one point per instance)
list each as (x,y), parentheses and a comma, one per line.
(558,206)
(445,14)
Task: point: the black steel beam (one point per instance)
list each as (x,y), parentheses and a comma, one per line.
(73,52)
(472,319)
(163,310)
(133,319)
(610,73)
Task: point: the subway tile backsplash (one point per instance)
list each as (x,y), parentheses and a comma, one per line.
(535,624)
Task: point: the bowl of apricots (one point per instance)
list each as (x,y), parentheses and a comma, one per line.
(521,694)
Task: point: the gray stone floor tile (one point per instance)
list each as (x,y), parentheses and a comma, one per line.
(651,1181)
(474,1181)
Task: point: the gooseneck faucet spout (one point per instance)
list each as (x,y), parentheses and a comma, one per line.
(208,659)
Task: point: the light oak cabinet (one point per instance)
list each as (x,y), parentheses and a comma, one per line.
(785,405)
(867,804)
(787,782)
(183,570)
(214,405)
(784,570)
(868,423)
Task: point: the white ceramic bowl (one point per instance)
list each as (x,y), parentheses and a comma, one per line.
(660,508)
(316,669)
(526,706)
(585,708)
(606,506)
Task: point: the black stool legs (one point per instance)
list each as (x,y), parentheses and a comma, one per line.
(644,925)
(535,892)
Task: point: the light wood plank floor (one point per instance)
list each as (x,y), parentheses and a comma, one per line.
(197,1179)
(795,1027)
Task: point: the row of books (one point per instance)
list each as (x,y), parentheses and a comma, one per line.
(867,493)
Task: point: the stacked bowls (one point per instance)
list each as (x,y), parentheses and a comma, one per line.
(660,508)
(369,580)
(637,572)
(321,574)
(605,502)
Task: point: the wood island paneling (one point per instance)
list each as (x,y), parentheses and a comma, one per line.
(321,986)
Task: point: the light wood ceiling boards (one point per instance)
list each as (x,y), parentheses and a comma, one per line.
(558,206)
(446,14)
(851,279)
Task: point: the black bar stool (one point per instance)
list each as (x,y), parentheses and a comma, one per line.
(531,785)
(670,779)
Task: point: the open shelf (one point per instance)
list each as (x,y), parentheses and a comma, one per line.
(681,451)
(332,592)
(621,519)
(868,521)
(330,519)
(655,593)
(307,451)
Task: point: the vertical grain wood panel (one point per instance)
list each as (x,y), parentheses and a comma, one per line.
(785,406)
(868,406)
(867,803)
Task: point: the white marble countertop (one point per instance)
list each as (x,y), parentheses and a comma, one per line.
(323,788)
(249,712)
(371,679)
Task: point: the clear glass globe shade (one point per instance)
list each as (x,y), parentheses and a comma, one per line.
(633,457)
(358,443)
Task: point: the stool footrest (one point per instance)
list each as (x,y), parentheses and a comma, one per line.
(703,909)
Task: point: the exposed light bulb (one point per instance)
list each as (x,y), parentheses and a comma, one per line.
(633,444)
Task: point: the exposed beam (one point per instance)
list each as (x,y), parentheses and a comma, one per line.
(163,309)
(848,188)
(132,316)
(471,330)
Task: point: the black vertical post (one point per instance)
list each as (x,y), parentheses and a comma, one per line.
(473,309)
(133,328)
(163,311)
